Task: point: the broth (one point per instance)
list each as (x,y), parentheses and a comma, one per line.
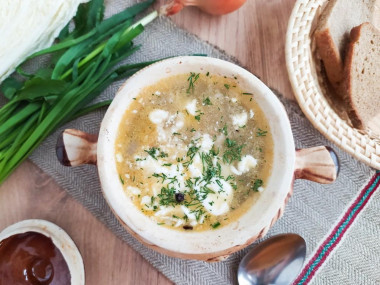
(194,151)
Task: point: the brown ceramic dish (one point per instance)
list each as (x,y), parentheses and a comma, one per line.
(38,261)
(319,164)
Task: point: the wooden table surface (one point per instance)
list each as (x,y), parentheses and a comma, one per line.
(255,35)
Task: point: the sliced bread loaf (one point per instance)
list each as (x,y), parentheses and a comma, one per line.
(362,77)
(333,30)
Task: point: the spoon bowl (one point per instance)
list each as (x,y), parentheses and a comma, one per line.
(276,260)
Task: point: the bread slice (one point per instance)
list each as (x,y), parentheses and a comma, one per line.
(362,77)
(333,29)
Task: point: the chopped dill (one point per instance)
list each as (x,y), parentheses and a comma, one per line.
(192,79)
(230,143)
(261,133)
(155,152)
(224,130)
(167,196)
(233,152)
(198,117)
(207,102)
(257,184)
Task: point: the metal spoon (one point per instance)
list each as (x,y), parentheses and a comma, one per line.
(276,261)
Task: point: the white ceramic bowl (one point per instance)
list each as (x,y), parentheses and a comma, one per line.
(215,243)
(60,239)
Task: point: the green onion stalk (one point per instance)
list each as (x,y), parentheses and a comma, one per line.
(82,64)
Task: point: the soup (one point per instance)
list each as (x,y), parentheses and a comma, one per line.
(194,151)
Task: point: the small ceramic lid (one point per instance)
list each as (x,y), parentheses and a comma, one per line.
(60,239)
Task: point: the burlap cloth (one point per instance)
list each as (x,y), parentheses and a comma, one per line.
(312,212)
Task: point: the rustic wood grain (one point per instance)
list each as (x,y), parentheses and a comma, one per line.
(255,35)
(31,194)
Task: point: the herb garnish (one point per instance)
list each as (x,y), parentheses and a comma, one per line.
(227,86)
(156,152)
(230,143)
(195,190)
(224,130)
(162,176)
(152,152)
(233,153)
(257,184)
(163,154)
(192,78)
(121,180)
(192,151)
(207,101)
(198,117)
(167,196)
(261,133)
(246,93)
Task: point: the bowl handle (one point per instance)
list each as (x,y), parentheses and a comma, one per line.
(75,148)
(319,164)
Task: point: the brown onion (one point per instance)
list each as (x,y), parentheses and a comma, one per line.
(214,7)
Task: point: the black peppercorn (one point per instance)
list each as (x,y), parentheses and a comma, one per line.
(179,197)
(186,227)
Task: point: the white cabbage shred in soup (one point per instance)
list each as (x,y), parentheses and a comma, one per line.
(194,151)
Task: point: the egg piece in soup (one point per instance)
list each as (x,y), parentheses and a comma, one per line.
(194,152)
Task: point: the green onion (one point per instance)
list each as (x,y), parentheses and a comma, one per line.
(83,63)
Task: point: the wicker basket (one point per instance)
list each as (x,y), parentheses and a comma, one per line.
(309,92)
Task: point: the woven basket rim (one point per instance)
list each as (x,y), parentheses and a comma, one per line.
(360,146)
